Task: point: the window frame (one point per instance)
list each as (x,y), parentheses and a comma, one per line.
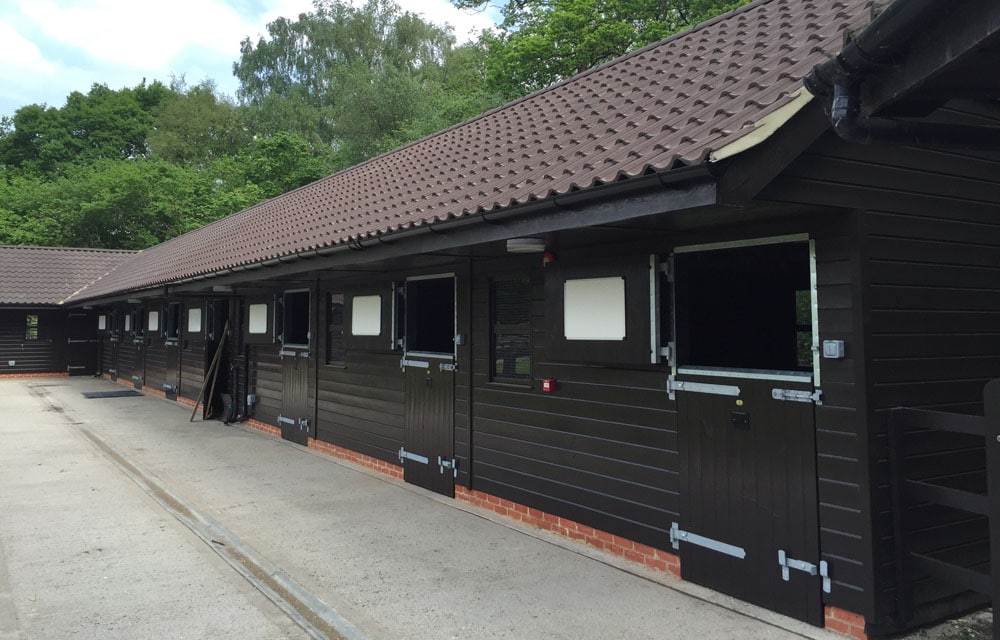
(525,381)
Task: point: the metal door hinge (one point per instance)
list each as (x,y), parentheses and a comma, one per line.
(786,563)
(448,464)
(419,364)
(284,420)
(668,352)
(797,395)
(406,455)
(447,366)
(677,536)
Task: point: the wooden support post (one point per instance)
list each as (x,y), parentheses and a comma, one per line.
(991,406)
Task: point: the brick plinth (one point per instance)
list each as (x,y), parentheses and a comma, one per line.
(263,427)
(368,462)
(55,374)
(628,549)
(845,622)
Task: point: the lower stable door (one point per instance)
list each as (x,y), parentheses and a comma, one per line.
(744,382)
(427,324)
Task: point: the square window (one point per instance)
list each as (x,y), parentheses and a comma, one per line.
(258,319)
(366,315)
(194,320)
(594,309)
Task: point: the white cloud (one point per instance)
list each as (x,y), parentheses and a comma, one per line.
(50,48)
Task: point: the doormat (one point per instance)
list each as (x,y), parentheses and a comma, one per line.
(124,393)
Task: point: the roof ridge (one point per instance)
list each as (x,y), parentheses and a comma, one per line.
(79,249)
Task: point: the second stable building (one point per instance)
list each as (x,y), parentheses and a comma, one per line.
(663,304)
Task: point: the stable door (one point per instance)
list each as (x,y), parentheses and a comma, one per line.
(428,324)
(745,387)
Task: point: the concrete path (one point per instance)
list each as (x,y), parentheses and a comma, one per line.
(121,519)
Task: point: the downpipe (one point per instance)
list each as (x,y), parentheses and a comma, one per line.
(845,115)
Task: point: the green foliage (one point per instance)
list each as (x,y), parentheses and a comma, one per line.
(132,167)
(195,126)
(357,80)
(541,42)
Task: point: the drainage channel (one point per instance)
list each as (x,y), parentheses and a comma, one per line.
(318,619)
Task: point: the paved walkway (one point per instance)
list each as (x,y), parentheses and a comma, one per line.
(121,519)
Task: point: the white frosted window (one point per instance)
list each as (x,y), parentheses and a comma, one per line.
(366,316)
(154,320)
(128,322)
(594,309)
(194,320)
(102,322)
(258,318)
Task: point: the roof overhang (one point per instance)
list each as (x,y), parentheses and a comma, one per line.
(652,195)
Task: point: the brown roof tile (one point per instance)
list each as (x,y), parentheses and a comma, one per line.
(50,275)
(667,105)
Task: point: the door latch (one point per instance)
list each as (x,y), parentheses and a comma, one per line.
(797,395)
(448,464)
(786,563)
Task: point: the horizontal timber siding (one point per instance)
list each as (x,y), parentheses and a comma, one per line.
(46,354)
(601,450)
(930,248)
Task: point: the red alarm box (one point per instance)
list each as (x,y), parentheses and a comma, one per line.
(548,385)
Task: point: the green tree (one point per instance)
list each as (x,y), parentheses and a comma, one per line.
(540,42)
(101,124)
(349,79)
(194,125)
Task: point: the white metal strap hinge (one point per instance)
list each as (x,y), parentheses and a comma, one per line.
(677,536)
(284,420)
(286,352)
(406,455)
(448,464)
(798,395)
(447,366)
(786,563)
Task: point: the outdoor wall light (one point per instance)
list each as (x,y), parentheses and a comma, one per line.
(525,245)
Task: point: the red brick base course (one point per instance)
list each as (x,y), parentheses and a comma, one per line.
(368,462)
(628,549)
(845,622)
(56,374)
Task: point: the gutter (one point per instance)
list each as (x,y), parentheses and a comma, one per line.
(879,45)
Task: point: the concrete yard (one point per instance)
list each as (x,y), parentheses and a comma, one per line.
(122,519)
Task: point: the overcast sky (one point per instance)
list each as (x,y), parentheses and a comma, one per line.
(50,48)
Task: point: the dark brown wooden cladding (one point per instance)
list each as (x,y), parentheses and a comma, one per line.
(38,351)
(601,450)
(265,382)
(930,228)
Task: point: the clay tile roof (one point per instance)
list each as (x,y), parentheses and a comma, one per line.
(667,105)
(50,275)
